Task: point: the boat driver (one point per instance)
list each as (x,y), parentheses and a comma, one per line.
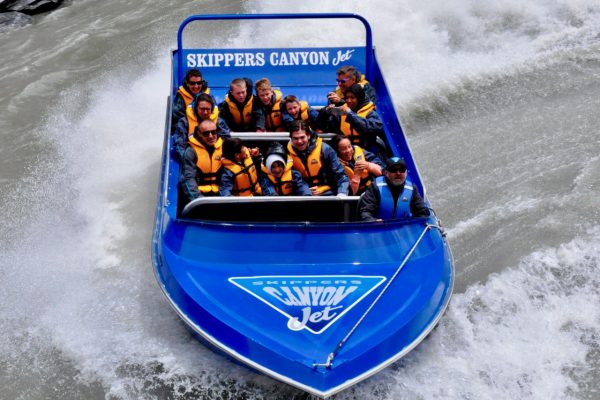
(392,196)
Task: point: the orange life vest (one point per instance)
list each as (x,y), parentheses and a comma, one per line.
(245,177)
(310,172)
(283,186)
(209,165)
(365,176)
(347,130)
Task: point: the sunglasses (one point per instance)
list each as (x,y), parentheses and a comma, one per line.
(397,170)
(196,83)
(205,109)
(209,133)
(342,81)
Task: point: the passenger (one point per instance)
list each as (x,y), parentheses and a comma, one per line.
(240,177)
(316,161)
(239,107)
(270,106)
(279,178)
(360,165)
(356,119)
(202,162)
(202,108)
(346,77)
(392,196)
(294,109)
(192,85)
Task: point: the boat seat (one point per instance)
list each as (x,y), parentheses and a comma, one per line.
(273,209)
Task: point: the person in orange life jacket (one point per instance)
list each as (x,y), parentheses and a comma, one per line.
(356,119)
(346,77)
(392,196)
(239,109)
(294,109)
(202,108)
(278,177)
(240,172)
(316,161)
(361,166)
(202,162)
(269,105)
(193,84)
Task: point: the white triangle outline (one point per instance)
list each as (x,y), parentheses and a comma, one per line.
(308,277)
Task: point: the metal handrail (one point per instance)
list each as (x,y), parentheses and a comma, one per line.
(217,17)
(341,343)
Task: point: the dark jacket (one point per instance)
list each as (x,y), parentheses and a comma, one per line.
(368,205)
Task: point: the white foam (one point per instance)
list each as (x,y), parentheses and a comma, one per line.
(428,46)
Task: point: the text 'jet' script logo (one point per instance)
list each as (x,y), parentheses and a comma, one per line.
(311,302)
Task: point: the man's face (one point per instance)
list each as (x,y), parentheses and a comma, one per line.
(299,140)
(345,81)
(239,93)
(396,175)
(207,131)
(204,109)
(345,150)
(194,84)
(277,169)
(293,109)
(265,96)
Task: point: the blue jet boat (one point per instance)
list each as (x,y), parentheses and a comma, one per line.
(296,287)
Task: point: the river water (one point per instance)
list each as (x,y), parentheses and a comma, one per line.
(499,100)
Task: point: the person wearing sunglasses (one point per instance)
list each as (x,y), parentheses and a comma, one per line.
(202,162)
(192,85)
(346,77)
(202,108)
(392,196)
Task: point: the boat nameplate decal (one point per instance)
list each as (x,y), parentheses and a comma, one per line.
(311,302)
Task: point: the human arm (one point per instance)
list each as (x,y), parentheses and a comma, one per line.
(222,128)
(417,204)
(178,110)
(226,186)
(368,205)
(180,138)
(334,171)
(300,188)
(188,177)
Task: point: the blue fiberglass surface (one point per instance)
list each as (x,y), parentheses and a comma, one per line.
(280,297)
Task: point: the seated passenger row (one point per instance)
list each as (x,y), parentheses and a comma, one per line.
(213,166)
(353,115)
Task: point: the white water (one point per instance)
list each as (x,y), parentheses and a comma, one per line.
(81,314)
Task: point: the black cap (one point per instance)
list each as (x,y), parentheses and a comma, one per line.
(395,162)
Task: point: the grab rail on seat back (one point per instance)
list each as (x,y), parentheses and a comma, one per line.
(273,209)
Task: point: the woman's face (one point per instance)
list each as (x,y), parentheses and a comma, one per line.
(351,100)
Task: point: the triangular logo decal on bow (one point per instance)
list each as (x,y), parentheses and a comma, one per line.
(311,302)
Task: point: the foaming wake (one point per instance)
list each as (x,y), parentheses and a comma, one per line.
(425,47)
(527,333)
